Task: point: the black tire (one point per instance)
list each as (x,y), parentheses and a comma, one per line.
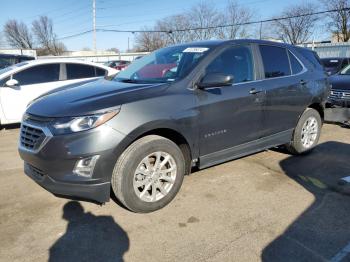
(296,146)
(126,165)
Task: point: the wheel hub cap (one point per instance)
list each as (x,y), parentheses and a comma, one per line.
(154,176)
(309,132)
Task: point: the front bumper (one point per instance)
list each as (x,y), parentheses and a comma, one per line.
(52,166)
(98,192)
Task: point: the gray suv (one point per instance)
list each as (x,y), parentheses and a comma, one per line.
(190,105)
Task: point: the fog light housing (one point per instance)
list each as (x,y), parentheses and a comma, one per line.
(85,167)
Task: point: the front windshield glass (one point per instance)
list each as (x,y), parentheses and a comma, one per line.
(9,68)
(164,65)
(345,71)
(331,63)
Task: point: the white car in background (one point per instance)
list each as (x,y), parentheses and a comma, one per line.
(23,82)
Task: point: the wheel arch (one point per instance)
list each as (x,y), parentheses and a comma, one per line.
(319,108)
(185,142)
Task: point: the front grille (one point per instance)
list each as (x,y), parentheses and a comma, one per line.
(31,137)
(339,94)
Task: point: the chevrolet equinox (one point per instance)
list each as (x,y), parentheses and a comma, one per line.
(189,105)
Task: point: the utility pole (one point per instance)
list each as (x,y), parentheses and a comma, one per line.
(128,44)
(94,24)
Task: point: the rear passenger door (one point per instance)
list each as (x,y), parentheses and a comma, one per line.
(285,84)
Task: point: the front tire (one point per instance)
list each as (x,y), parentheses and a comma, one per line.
(307,132)
(148,174)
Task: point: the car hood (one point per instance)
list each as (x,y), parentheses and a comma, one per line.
(90,98)
(341,82)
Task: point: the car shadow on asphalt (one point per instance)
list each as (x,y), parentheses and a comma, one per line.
(322,231)
(89,237)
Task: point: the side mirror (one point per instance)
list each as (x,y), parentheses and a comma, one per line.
(11,83)
(215,80)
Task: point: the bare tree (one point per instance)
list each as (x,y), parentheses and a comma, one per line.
(43,31)
(299,28)
(203,15)
(175,27)
(149,41)
(340,20)
(234,15)
(18,35)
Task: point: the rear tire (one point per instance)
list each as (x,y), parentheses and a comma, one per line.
(307,132)
(148,174)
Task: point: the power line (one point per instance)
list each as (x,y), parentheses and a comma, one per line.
(209,27)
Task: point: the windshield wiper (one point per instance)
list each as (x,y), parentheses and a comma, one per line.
(128,80)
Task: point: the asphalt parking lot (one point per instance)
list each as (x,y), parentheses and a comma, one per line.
(269,206)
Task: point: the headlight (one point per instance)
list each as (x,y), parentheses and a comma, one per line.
(77,124)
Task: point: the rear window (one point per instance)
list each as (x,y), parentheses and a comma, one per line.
(77,71)
(275,60)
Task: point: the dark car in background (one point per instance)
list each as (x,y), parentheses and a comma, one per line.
(333,65)
(118,64)
(340,88)
(9,59)
(189,105)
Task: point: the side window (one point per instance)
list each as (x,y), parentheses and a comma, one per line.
(100,71)
(38,74)
(295,64)
(236,61)
(275,60)
(77,71)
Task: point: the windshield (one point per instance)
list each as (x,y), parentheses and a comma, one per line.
(345,71)
(331,63)
(164,65)
(9,68)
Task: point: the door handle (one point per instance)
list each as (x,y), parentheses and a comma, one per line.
(303,83)
(255,91)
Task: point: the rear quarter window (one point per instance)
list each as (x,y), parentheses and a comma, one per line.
(295,64)
(100,71)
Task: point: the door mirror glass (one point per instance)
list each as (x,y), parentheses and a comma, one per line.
(216,80)
(12,83)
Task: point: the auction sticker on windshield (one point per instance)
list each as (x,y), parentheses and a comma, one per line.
(195,49)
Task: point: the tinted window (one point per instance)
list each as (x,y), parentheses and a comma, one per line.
(76,71)
(296,66)
(334,63)
(100,71)
(312,57)
(275,61)
(345,63)
(236,61)
(38,74)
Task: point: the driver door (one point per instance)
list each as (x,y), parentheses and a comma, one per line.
(230,116)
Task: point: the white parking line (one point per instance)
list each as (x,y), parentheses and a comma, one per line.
(341,254)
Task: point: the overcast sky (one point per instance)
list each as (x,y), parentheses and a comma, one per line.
(75,16)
